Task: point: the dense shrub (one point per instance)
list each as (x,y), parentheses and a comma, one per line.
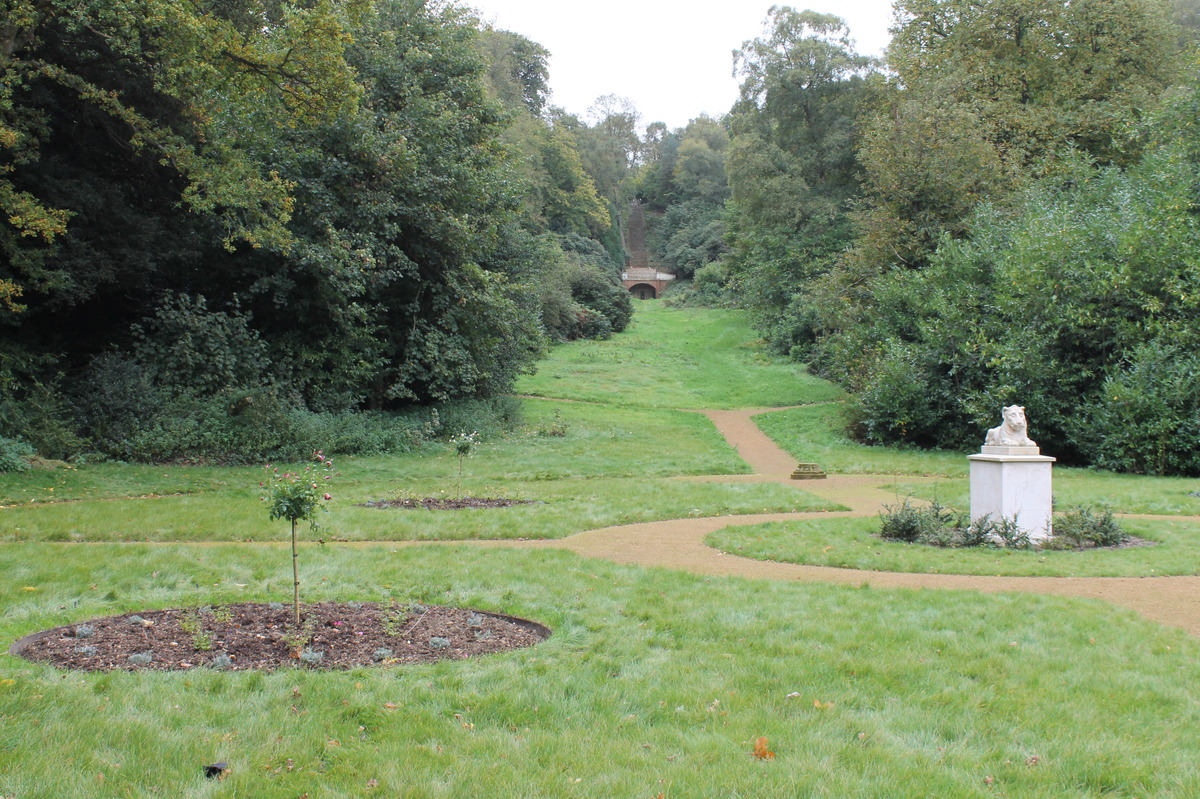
(41,416)
(14,455)
(189,348)
(1077,302)
(915,524)
(605,296)
(252,426)
(1081,528)
(1147,416)
(938,526)
(583,297)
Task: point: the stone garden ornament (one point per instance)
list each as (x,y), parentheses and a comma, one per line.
(1011,479)
(1014,432)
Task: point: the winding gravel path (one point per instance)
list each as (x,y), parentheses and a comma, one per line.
(679,543)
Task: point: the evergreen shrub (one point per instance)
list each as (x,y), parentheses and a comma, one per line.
(14,455)
(1082,528)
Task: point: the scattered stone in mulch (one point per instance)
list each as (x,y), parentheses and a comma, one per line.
(445,503)
(244,636)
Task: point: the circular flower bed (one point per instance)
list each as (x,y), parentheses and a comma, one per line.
(332,635)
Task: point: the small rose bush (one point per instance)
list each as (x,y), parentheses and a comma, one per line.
(297,496)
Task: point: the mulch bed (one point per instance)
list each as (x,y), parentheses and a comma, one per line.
(443,503)
(333,635)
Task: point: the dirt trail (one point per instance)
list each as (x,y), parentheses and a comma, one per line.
(679,543)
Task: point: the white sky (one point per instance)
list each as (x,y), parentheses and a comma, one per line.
(672,58)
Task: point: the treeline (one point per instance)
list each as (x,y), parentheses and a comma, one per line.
(232,228)
(1004,211)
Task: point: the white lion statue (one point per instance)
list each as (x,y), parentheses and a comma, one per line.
(1013,433)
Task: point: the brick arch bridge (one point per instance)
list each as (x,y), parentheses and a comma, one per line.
(643,280)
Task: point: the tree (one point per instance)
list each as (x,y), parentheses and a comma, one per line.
(517,70)
(687,183)
(323,182)
(792,170)
(988,94)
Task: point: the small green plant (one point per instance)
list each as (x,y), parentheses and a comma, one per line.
(1082,528)
(83,631)
(395,615)
(1004,532)
(557,428)
(381,654)
(915,523)
(297,496)
(192,623)
(221,662)
(87,650)
(299,636)
(464,444)
(438,642)
(141,658)
(15,455)
(938,526)
(311,657)
(221,614)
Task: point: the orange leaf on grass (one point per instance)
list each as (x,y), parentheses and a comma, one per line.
(761,751)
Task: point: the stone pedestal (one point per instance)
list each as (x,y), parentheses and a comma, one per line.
(808,471)
(1008,482)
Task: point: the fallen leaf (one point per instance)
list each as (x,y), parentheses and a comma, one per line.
(761,751)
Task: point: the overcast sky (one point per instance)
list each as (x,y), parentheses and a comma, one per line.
(672,58)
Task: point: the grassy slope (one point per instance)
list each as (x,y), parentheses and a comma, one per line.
(677,359)
(654,682)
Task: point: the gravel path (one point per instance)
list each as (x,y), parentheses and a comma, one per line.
(679,543)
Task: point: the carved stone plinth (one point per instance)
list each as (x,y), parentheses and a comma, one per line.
(1008,482)
(808,471)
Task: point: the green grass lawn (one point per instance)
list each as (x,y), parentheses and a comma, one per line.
(694,358)
(654,682)
(854,544)
(603,472)
(814,435)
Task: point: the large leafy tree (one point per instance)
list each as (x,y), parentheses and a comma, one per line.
(129,141)
(319,184)
(1077,298)
(791,164)
(988,94)
(686,186)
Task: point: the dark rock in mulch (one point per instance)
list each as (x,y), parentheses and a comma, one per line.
(333,635)
(443,503)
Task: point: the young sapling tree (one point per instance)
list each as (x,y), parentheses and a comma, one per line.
(297,496)
(464,444)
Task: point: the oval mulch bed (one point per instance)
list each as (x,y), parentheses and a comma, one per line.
(333,635)
(443,503)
